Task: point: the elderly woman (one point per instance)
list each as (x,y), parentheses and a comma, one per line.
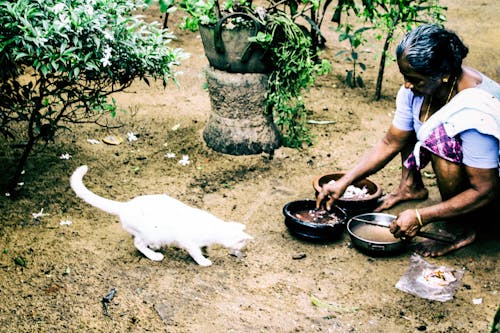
(446,114)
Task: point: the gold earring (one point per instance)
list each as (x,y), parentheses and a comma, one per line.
(445,80)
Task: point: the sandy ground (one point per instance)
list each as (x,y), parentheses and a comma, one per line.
(53,277)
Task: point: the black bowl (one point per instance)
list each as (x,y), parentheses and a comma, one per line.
(353,206)
(317,232)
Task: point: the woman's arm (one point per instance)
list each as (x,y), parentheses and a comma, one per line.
(374,160)
(484,185)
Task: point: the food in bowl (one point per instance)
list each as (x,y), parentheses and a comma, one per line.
(370,233)
(305,222)
(362,196)
(374,233)
(319,216)
(354,192)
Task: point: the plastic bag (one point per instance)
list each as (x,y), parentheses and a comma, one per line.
(437,283)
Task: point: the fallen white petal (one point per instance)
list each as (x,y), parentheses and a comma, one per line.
(65,156)
(65,222)
(131,136)
(39,214)
(185,160)
(93,141)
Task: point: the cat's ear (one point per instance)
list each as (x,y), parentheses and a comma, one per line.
(247,236)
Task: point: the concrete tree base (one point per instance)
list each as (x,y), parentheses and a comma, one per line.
(237,124)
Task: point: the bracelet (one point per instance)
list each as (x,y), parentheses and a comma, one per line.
(419,217)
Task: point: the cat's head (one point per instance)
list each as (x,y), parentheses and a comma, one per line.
(236,238)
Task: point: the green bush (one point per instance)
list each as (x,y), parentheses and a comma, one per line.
(62,59)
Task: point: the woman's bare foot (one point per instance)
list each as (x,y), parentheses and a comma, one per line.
(400,195)
(434,248)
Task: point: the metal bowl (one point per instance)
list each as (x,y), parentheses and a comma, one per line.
(370,233)
(317,232)
(353,206)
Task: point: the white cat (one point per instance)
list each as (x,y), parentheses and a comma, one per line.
(158,220)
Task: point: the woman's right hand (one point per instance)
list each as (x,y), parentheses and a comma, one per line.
(329,193)
(406,224)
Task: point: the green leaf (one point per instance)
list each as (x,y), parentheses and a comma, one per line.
(359,81)
(20,261)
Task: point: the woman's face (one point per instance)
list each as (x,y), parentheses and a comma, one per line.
(420,85)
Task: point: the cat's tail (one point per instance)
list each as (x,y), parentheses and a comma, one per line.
(76,181)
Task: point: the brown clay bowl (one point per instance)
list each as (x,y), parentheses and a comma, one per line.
(353,206)
(300,225)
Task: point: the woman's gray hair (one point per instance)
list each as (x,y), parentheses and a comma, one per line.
(433,51)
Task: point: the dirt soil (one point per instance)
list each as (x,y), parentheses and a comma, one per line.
(54,275)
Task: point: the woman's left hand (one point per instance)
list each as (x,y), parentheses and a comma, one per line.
(405,225)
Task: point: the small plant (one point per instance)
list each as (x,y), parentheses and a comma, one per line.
(62,59)
(386,16)
(198,12)
(295,70)
(353,77)
(405,14)
(166,7)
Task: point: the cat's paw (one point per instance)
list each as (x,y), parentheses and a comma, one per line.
(155,256)
(203,262)
(236,253)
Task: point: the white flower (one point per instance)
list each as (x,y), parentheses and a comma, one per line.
(107,55)
(65,156)
(93,141)
(89,10)
(185,160)
(170,155)
(65,222)
(109,35)
(131,136)
(105,62)
(63,21)
(204,19)
(58,8)
(41,41)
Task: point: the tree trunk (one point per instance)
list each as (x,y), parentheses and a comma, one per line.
(11,186)
(380,77)
(381,68)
